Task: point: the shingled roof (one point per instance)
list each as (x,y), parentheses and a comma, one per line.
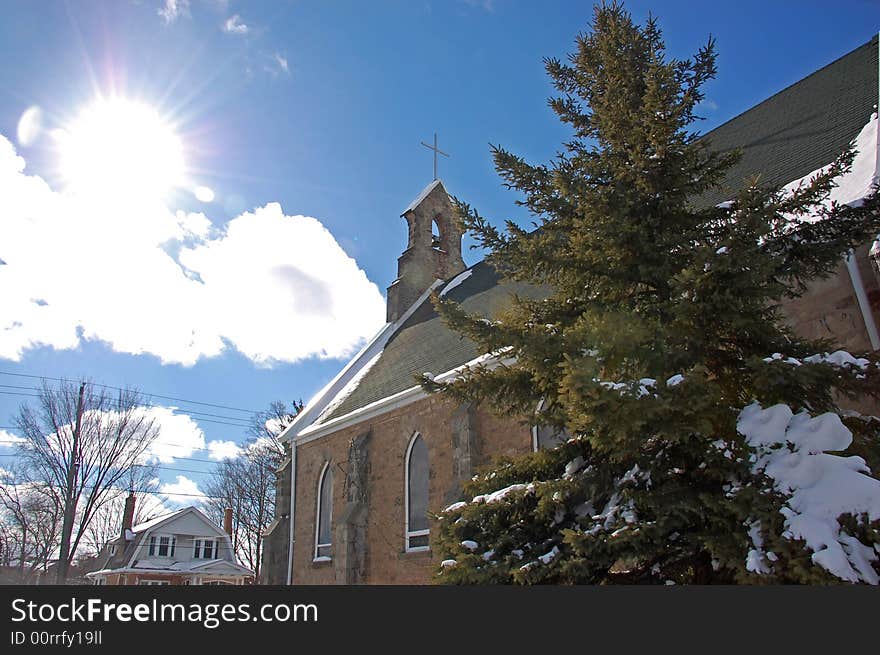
(803,127)
(789,135)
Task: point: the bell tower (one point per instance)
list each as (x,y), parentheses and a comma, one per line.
(433,249)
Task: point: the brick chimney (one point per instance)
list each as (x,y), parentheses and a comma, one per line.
(427,257)
(227,521)
(128,514)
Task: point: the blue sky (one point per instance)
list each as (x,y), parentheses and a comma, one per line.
(318,107)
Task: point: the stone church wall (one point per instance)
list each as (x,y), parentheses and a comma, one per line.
(371,548)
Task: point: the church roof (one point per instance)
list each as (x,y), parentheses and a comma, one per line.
(803,127)
(791,134)
(423,343)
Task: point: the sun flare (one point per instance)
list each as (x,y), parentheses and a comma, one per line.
(118,147)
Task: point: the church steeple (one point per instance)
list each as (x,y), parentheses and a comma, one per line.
(428,256)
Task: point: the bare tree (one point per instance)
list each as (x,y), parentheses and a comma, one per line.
(246,483)
(106,522)
(31,522)
(80,443)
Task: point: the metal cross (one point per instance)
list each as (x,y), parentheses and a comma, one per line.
(436,151)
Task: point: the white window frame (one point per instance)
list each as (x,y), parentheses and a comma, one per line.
(416,533)
(535,445)
(535,427)
(153,582)
(317,556)
(199,547)
(154,543)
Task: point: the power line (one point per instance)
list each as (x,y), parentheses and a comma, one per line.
(171,468)
(186,412)
(108,386)
(19,393)
(170,445)
(150,466)
(182,411)
(138,491)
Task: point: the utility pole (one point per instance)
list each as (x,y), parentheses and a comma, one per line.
(69,499)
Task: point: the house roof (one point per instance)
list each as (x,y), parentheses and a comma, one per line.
(206,567)
(791,134)
(156,520)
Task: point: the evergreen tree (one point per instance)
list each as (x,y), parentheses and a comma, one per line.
(659,346)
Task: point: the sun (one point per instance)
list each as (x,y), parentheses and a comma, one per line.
(116,147)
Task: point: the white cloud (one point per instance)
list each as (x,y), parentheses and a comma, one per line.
(262,444)
(708,105)
(30,125)
(173,9)
(8,440)
(149,280)
(275,425)
(233,25)
(182,492)
(282,62)
(204,194)
(179,435)
(220,450)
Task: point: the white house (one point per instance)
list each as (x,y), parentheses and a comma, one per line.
(178,548)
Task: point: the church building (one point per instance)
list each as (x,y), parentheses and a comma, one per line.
(372,457)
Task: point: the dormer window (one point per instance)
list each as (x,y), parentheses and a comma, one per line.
(205,549)
(162,545)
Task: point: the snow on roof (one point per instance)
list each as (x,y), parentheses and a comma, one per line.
(162,566)
(859,181)
(407,395)
(339,388)
(184,565)
(424,194)
(146,525)
(317,405)
(352,384)
(458,279)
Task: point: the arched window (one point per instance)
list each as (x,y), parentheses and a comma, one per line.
(324,518)
(417,494)
(436,236)
(545,437)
